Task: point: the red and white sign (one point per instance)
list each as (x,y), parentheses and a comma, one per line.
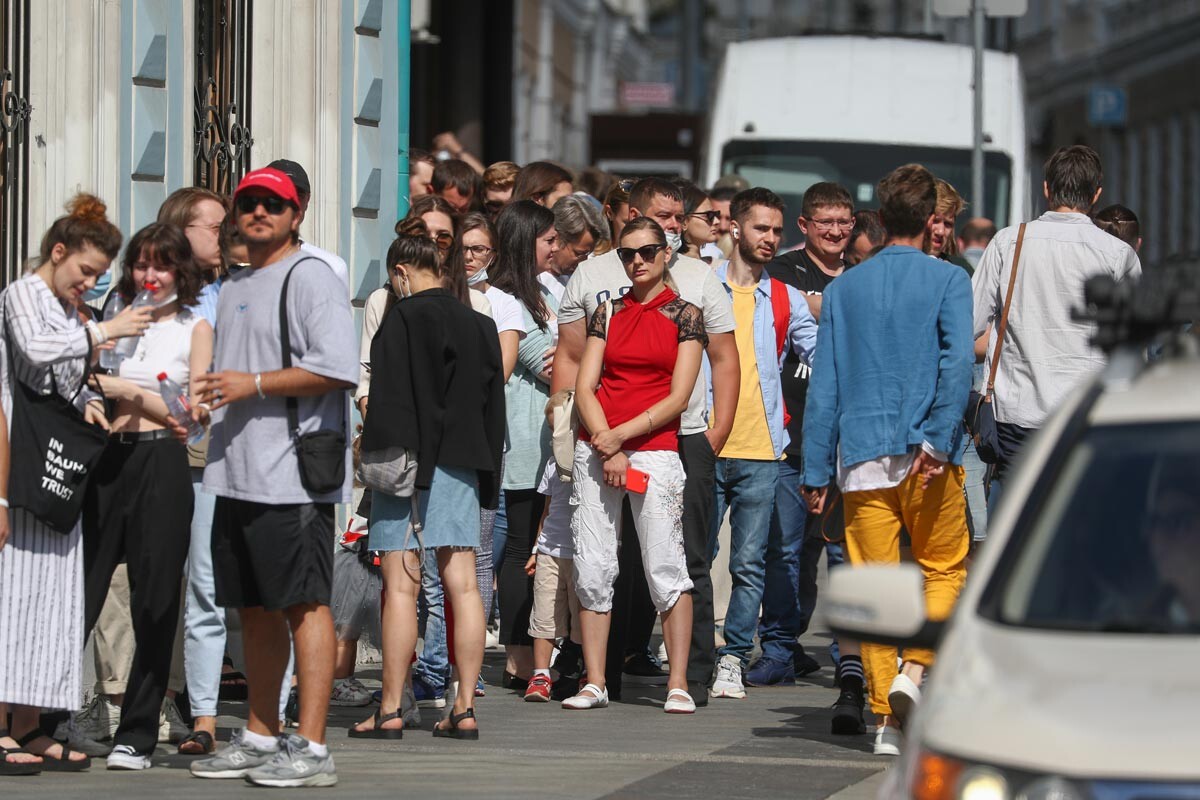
(648,95)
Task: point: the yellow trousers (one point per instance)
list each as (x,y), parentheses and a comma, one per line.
(936,520)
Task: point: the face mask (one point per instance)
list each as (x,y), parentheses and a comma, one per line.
(675,242)
(100,289)
(478,278)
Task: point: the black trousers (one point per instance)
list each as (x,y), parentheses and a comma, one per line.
(700,464)
(139,510)
(515,589)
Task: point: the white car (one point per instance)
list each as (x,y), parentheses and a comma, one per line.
(1070,668)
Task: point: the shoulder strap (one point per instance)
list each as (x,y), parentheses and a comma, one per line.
(285,344)
(781,308)
(1003,326)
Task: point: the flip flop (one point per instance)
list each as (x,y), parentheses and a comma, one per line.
(378,731)
(455,732)
(62,763)
(202,738)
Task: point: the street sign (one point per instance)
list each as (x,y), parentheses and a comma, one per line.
(647,95)
(1107,107)
(991,8)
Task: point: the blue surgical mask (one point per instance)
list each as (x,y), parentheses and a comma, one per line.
(478,278)
(100,289)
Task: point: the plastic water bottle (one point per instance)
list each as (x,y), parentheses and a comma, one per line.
(180,407)
(108,358)
(127,346)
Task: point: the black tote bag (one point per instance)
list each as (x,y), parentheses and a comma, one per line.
(52,449)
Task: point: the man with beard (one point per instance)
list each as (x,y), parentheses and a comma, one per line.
(770,319)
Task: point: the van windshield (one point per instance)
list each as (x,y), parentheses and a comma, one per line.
(1114,547)
(789,167)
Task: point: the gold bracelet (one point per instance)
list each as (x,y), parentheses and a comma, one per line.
(650,428)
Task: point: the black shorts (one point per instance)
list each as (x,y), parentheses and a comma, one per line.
(270,556)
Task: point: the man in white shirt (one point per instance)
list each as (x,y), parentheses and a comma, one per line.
(1045,353)
(304,190)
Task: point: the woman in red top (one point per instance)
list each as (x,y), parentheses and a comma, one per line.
(644,353)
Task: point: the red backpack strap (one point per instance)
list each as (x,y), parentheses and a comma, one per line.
(781,308)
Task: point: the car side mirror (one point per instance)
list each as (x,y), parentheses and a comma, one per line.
(882,604)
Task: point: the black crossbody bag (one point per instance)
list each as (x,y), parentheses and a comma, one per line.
(52,448)
(322,454)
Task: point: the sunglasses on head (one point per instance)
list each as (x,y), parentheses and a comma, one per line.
(646,251)
(248,203)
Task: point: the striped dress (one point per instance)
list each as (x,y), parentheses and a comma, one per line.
(41,570)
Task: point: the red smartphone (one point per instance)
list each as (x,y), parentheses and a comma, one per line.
(636,480)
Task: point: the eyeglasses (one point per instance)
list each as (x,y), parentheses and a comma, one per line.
(249,203)
(646,251)
(478,250)
(443,240)
(830,224)
(711,217)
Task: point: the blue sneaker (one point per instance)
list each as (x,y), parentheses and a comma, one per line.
(428,696)
(769,672)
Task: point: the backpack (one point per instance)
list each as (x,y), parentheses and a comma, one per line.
(781,310)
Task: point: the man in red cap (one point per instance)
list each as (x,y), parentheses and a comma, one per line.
(273,520)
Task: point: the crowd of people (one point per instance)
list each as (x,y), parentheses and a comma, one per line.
(566,385)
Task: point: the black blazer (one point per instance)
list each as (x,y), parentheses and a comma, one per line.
(437,387)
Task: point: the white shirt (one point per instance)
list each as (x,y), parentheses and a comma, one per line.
(336,263)
(555,537)
(554,283)
(166,346)
(1045,354)
(506,311)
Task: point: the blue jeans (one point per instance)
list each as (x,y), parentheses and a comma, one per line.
(977,503)
(747,489)
(784,611)
(203,619)
(433,667)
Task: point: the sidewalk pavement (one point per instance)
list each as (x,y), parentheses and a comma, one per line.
(775,743)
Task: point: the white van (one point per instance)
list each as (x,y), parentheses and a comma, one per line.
(882,102)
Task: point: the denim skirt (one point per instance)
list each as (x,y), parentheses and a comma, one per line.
(449,512)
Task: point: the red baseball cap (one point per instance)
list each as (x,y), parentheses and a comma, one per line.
(275,181)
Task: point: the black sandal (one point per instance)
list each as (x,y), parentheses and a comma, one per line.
(455,732)
(233,686)
(62,763)
(202,738)
(14,768)
(378,731)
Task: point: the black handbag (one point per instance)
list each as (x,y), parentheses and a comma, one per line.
(981,414)
(52,449)
(322,454)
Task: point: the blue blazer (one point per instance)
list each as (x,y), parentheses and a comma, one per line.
(892,369)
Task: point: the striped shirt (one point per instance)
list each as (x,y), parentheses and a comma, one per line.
(50,342)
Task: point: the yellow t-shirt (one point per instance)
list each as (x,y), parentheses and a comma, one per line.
(750,437)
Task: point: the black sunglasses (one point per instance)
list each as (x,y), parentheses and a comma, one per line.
(247,203)
(712,217)
(646,251)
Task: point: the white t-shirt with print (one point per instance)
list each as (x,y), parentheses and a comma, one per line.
(602,278)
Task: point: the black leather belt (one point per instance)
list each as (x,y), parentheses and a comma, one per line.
(130,437)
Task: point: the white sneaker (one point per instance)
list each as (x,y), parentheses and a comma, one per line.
(99,720)
(662,655)
(903,698)
(491,639)
(69,732)
(349,692)
(171,727)
(729,678)
(887,741)
(590,696)
(125,757)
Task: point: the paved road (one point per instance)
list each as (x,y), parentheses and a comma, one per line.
(775,743)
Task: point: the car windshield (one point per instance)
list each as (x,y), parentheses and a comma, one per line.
(1115,544)
(790,167)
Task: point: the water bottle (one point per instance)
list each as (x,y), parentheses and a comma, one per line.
(180,407)
(127,346)
(108,358)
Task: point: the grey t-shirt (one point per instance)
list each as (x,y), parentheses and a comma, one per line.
(251,455)
(602,278)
